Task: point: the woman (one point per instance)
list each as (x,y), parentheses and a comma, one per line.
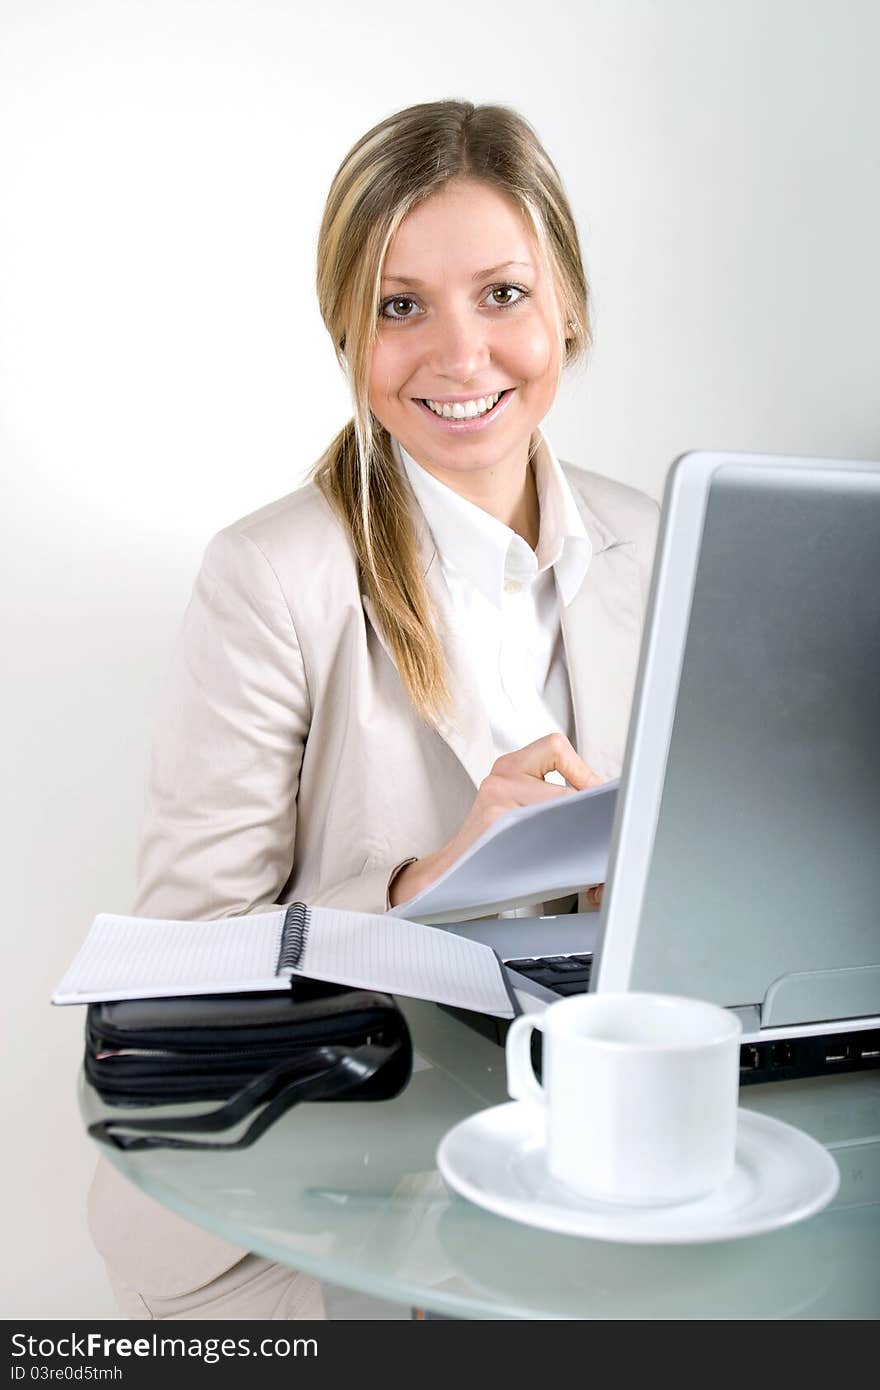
(376,666)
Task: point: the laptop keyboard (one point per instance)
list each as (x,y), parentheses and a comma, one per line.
(563,974)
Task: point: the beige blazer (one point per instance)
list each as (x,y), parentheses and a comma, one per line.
(289,763)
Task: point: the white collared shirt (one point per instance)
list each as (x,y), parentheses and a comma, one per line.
(506,598)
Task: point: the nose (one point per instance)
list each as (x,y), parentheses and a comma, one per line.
(459,347)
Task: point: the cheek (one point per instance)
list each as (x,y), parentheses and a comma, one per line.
(535,351)
(388,371)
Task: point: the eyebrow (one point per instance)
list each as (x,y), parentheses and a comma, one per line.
(480,274)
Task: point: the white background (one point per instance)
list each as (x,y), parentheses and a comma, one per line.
(163,368)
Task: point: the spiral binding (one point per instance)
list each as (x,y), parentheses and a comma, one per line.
(294,936)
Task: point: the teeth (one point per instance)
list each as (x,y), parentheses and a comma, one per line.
(468,410)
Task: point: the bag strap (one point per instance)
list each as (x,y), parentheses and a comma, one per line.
(327,1072)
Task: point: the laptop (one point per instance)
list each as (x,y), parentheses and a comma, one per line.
(745,851)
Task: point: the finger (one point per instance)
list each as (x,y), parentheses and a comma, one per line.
(551,753)
(594,894)
(525,790)
(500,793)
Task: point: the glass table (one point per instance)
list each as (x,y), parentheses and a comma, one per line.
(351,1193)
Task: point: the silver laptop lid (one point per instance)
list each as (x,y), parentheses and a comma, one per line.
(745,864)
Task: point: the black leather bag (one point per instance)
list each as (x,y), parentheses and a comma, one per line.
(260,1052)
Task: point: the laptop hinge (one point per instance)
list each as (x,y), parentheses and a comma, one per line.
(851,991)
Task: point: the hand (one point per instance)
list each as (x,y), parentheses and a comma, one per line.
(594,896)
(516,779)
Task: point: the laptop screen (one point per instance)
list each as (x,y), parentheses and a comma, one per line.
(766,854)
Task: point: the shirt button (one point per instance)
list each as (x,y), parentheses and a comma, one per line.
(512,586)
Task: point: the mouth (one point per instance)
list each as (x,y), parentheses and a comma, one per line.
(465,417)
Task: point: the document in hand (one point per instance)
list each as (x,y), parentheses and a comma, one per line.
(144,958)
(529,855)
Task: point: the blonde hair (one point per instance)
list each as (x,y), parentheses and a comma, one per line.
(394,167)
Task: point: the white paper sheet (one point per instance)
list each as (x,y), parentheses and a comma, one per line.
(530,855)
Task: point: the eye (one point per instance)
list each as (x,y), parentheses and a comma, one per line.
(395,304)
(405,300)
(507,289)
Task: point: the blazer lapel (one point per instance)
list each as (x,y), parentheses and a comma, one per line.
(465,729)
(600,629)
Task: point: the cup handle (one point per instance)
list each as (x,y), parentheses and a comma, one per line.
(522,1084)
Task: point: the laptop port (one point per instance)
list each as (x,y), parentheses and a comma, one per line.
(782,1054)
(750,1059)
(839,1054)
(869,1054)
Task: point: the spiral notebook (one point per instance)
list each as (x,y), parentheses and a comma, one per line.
(144,957)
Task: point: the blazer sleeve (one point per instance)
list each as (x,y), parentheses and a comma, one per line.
(220,813)
(219,831)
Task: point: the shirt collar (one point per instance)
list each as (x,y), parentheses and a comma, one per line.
(484,550)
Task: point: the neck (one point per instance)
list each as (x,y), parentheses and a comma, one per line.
(507,492)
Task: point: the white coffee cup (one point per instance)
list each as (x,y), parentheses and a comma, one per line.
(640,1091)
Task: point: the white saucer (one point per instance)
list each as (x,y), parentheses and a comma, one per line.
(496,1159)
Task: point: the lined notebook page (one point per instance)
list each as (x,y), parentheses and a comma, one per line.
(400,957)
(143,958)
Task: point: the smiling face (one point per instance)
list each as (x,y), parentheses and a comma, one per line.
(467,311)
